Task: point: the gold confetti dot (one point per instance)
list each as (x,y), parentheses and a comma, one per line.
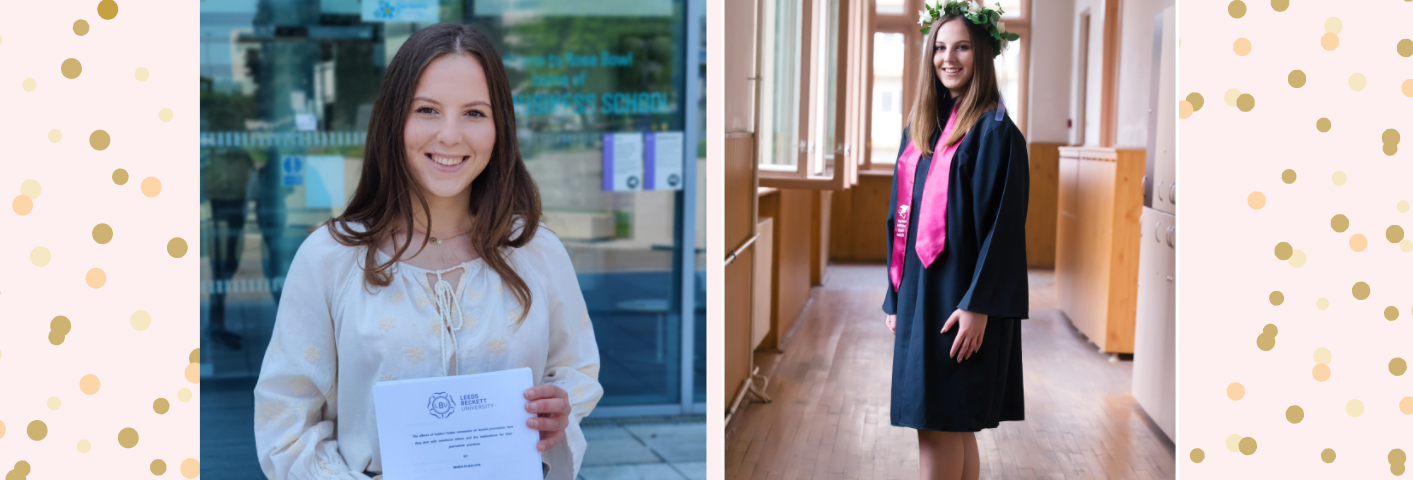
(1339,178)
(165,115)
(1230,97)
(1245,102)
(194,356)
(1235,391)
(158,467)
(1402,206)
(1277,297)
(1297,259)
(30,188)
(1328,455)
(95,278)
(1321,372)
(1323,124)
(1405,47)
(1197,455)
(176,247)
(37,430)
(22,205)
(84,446)
(1323,355)
(1247,445)
(1360,290)
(39,256)
(1236,9)
(53,403)
(127,437)
(1339,223)
(1396,456)
(184,395)
(1406,245)
(1195,99)
(1358,243)
(140,74)
(1333,25)
(1390,136)
(55,135)
(1322,303)
(1406,405)
(107,9)
(1283,251)
(89,384)
(1391,313)
(2,429)
(1270,329)
(161,405)
(102,233)
(1288,176)
(28,85)
(99,140)
(1265,342)
(1357,82)
(1184,109)
(140,320)
(1407,88)
(193,372)
(71,68)
(191,468)
(80,27)
(1390,149)
(1294,414)
(1354,408)
(151,186)
(1234,442)
(1397,366)
(61,325)
(1241,46)
(120,176)
(1256,200)
(1296,78)
(1329,41)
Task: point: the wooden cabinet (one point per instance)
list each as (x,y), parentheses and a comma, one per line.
(1096,244)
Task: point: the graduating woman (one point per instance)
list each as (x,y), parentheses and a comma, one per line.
(956,236)
(487,287)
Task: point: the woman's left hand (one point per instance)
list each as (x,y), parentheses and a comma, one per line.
(552,405)
(968,340)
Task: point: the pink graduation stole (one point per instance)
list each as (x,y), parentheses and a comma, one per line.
(932,233)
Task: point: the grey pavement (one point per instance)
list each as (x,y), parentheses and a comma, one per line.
(650,449)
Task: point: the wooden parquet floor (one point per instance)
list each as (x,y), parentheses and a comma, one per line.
(830,390)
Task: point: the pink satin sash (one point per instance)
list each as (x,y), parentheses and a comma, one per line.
(932,227)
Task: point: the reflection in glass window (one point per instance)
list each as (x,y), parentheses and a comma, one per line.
(779,84)
(888,84)
(1008,78)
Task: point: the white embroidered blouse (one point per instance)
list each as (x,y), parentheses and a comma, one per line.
(335,336)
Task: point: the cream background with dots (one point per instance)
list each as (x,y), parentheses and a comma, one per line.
(1226,265)
(46,130)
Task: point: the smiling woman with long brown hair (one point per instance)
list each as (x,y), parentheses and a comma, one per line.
(956,232)
(439,266)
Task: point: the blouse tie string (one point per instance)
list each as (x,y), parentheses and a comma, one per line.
(450,313)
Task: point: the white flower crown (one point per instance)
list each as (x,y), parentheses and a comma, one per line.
(973,12)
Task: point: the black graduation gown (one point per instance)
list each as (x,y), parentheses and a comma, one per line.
(982,268)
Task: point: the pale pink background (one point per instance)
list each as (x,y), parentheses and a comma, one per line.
(78,193)
(1226,261)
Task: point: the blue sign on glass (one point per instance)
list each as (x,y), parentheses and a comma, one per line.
(293,170)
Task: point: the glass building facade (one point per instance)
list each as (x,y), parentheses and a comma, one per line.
(287,87)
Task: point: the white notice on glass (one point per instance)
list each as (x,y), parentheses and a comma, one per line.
(622,162)
(664,161)
(465,426)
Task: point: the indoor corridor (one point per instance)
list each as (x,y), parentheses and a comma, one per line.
(829,418)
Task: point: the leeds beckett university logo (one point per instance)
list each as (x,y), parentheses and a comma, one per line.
(441,405)
(902,223)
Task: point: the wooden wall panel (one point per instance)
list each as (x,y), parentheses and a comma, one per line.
(793,277)
(769,202)
(1040,220)
(819,235)
(740,208)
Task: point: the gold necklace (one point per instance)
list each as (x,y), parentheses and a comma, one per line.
(438,241)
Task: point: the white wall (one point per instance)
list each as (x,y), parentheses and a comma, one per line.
(1051,69)
(1136,71)
(1093,77)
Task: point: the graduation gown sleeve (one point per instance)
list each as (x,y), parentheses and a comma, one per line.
(1000,188)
